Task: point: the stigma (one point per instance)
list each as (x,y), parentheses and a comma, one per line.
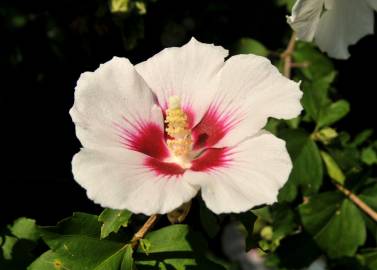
(180,141)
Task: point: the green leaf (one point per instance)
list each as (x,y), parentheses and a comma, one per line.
(307,169)
(327,217)
(333,113)
(369,156)
(25,228)
(48,261)
(119,6)
(317,64)
(112,220)
(209,221)
(7,247)
(248,45)
(362,137)
(333,169)
(76,242)
(368,258)
(288,3)
(128,261)
(171,239)
(316,95)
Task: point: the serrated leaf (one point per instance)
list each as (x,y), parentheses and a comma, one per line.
(112,220)
(327,217)
(307,169)
(25,228)
(333,169)
(76,242)
(249,45)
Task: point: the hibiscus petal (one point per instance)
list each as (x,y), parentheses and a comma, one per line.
(250,90)
(187,72)
(119,179)
(252,175)
(344,24)
(305,18)
(111,102)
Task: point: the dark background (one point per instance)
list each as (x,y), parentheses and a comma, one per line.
(46,45)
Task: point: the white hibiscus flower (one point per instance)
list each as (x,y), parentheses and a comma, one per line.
(155,134)
(333,24)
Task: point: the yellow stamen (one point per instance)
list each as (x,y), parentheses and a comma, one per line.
(177,128)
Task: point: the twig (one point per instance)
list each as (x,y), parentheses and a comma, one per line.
(143,230)
(356,200)
(287,56)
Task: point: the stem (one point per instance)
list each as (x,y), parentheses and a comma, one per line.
(356,200)
(143,230)
(287,56)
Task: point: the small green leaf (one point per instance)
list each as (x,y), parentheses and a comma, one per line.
(362,137)
(248,45)
(307,169)
(25,228)
(369,156)
(171,239)
(119,6)
(333,169)
(317,64)
(368,258)
(145,245)
(128,261)
(112,220)
(333,113)
(327,217)
(7,247)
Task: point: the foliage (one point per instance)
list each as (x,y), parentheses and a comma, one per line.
(312,219)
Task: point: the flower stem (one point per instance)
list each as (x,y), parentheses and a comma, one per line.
(143,230)
(287,56)
(356,200)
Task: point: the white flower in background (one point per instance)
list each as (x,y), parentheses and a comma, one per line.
(333,24)
(155,134)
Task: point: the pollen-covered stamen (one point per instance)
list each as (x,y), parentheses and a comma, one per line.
(177,128)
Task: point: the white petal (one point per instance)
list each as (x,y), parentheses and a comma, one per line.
(257,169)
(251,89)
(113,95)
(117,178)
(186,72)
(305,18)
(344,24)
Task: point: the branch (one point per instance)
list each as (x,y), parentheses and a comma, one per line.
(287,56)
(143,230)
(356,200)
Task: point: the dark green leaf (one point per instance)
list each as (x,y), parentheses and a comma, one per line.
(327,217)
(77,245)
(307,169)
(333,113)
(112,220)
